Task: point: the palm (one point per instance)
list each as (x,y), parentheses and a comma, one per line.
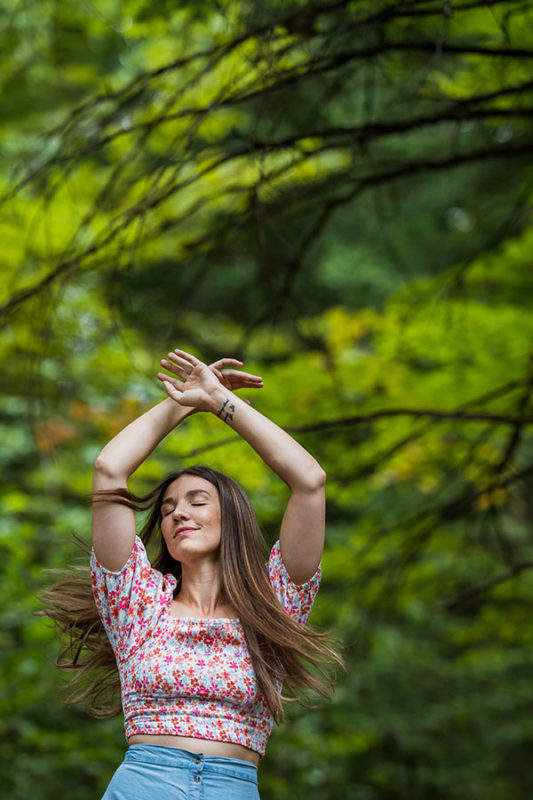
(199,383)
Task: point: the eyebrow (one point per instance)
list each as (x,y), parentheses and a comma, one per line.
(190,493)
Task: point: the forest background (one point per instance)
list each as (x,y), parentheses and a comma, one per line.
(338,193)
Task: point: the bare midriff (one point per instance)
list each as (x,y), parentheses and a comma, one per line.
(207,747)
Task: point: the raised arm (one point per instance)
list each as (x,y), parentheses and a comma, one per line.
(113,524)
(302,529)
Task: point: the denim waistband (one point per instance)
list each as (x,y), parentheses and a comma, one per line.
(176,757)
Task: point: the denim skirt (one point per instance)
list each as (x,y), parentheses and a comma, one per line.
(154,772)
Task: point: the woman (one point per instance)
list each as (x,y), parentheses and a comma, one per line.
(204,638)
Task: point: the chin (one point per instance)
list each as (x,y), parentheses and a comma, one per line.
(184,548)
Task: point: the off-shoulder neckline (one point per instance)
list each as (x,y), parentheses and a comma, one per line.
(201,619)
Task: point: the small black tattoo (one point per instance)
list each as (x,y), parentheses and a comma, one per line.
(226,414)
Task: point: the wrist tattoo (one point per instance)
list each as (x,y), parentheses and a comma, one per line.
(226,412)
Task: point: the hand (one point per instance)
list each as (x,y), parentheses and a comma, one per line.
(234,379)
(197,382)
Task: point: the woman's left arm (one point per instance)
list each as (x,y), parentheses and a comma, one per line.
(303,526)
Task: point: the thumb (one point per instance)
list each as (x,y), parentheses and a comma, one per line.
(172,391)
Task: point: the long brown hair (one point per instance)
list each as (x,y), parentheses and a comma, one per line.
(281,649)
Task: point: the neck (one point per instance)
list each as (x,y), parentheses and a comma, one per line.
(200,589)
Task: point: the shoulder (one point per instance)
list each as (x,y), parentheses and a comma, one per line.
(130,601)
(137,581)
(296,598)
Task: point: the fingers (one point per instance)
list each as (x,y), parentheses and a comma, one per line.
(176,363)
(243,379)
(175,368)
(167,381)
(180,356)
(235,377)
(180,363)
(172,391)
(226,362)
(251,380)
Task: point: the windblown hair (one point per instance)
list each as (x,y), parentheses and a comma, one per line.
(281,650)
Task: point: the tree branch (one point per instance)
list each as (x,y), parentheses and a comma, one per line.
(473,592)
(417,413)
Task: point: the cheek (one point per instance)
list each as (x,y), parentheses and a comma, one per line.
(207,514)
(213,519)
(164,528)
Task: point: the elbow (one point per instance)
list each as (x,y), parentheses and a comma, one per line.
(320,477)
(315,479)
(104,472)
(101,466)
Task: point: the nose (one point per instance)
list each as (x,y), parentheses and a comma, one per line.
(180,511)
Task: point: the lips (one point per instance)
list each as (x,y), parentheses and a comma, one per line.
(183,530)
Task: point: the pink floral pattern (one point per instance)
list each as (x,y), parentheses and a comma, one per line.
(187,677)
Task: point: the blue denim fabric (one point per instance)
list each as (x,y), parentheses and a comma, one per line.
(153,772)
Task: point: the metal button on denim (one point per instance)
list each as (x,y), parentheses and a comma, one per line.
(148,771)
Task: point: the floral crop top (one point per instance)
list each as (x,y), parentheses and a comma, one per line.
(186,676)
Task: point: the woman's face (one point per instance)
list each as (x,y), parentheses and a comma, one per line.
(190,519)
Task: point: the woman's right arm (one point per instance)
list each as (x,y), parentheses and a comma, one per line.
(113,524)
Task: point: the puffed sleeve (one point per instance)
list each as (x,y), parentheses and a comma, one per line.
(131,601)
(296,599)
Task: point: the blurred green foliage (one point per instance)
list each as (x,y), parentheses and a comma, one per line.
(339,193)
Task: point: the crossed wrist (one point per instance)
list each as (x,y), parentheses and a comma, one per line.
(179,413)
(223,405)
